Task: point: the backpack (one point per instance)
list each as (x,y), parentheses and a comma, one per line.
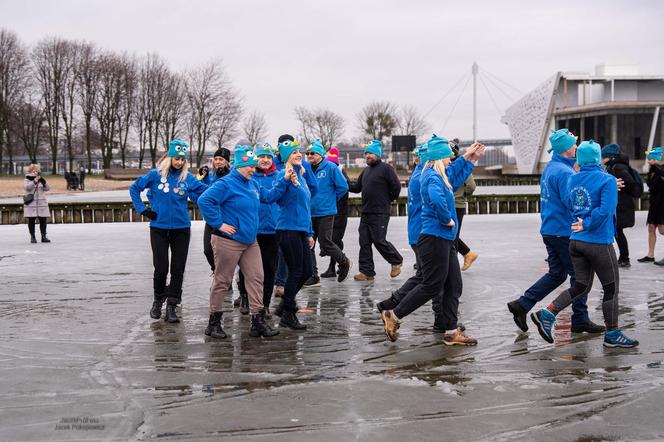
(637,190)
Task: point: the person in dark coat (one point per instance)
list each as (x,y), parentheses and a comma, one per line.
(655,220)
(617,164)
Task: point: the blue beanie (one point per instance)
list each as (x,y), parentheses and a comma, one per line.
(438,148)
(317,147)
(589,153)
(655,154)
(423,152)
(263,149)
(561,140)
(244,156)
(375,147)
(610,150)
(286,148)
(178,148)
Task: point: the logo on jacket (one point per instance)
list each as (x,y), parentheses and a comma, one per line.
(581,199)
(544,192)
(321,174)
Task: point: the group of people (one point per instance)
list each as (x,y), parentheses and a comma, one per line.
(266,213)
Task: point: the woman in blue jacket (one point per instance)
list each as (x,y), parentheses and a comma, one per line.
(169,187)
(435,243)
(592,198)
(295,231)
(231,206)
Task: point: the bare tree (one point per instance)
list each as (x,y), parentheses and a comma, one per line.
(410,122)
(107,105)
(255,127)
(154,79)
(87,75)
(175,105)
(14,75)
(28,123)
(227,121)
(320,124)
(128,80)
(377,120)
(50,60)
(68,99)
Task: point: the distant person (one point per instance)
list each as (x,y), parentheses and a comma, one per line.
(170,186)
(81,174)
(341,218)
(379,185)
(591,197)
(37,209)
(332,186)
(617,164)
(460,199)
(655,219)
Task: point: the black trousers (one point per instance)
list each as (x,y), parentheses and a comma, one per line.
(373,231)
(269,245)
(461,246)
(323,227)
(207,246)
(42,225)
(296,253)
(338,232)
(413,281)
(440,268)
(623,247)
(177,240)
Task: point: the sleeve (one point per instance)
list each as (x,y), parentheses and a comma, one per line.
(139,186)
(310,178)
(356,187)
(458,172)
(436,190)
(210,204)
(607,206)
(274,194)
(394,183)
(196,188)
(340,183)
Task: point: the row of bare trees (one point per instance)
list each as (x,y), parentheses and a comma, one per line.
(61,89)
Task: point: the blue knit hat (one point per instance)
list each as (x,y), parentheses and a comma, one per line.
(286,148)
(244,156)
(317,147)
(610,150)
(423,152)
(561,140)
(589,153)
(438,148)
(375,147)
(178,148)
(655,154)
(263,149)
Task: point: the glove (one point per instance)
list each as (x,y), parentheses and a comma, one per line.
(43,181)
(150,214)
(203,171)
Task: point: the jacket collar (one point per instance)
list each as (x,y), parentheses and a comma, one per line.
(561,159)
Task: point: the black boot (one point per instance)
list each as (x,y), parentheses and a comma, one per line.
(171,316)
(244,303)
(344,268)
(155,311)
(33,239)
(214,329)
(289,319)
(387,304)
(45,239)
(330,272)
(280,309)
(259,327)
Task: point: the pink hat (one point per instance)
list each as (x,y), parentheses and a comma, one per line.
(333,155)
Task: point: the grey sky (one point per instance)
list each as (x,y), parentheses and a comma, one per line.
(343,54)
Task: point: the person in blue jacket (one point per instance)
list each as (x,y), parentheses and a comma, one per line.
(592,198)
(295,231)
(265,175)
(169,187)
(332,186)
(555,231)
(231,206)
(436,241)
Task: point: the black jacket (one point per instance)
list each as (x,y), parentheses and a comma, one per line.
(379,185)
(342,204)
(619,168)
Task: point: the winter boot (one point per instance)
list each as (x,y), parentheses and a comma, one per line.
(171,316)
(45,239)
(214,329)
(344,268)
(33,239)
(330,272)
(289,319)
(155,311)
(259,327)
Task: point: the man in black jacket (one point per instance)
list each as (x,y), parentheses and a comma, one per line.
(380,186)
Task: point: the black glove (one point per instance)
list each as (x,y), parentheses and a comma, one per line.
(43,181)
(203,171)
(150,214)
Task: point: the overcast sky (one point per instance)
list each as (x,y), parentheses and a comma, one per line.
(343,54)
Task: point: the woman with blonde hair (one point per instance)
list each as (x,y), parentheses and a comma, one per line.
(37,208)
(170,185)
(436,242)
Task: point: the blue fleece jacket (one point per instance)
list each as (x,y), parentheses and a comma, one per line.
(235,200)
(167,197)
(593,197)
(332,186)
(295,207)
(414,205)
(555,215)
(438,201)
(269,212)
(308,176)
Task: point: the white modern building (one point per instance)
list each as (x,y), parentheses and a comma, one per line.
(615,105)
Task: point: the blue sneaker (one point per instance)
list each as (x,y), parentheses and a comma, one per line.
(616,338)
(544,320)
